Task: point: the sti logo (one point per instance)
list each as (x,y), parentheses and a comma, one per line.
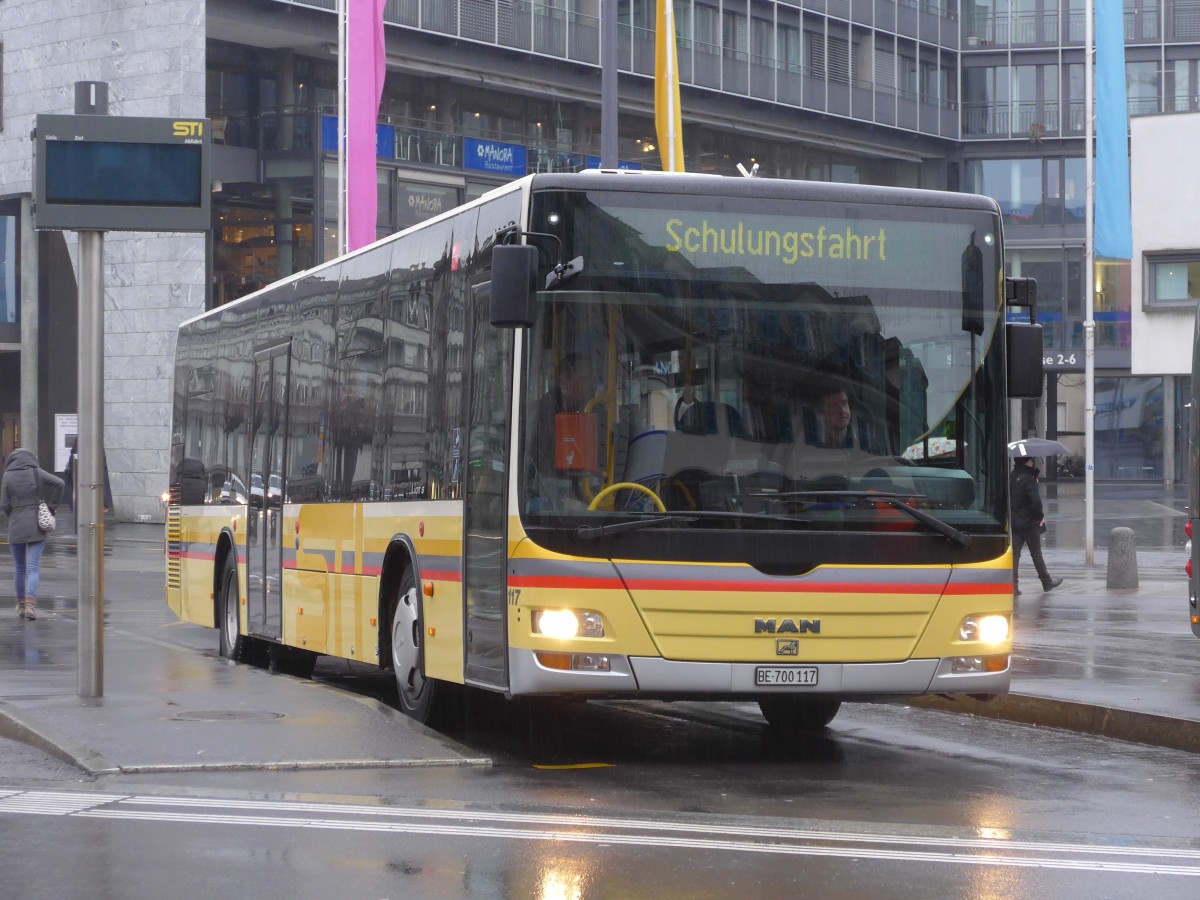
(187,129)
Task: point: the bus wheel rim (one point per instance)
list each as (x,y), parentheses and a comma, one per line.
(406,651)
(231,614)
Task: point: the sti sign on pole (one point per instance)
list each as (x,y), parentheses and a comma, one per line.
(95,173)
(122,173)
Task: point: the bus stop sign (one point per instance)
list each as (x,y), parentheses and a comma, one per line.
(121,173)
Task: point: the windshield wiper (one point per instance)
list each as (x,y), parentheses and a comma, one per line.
(948,531)
(945,529)
(595,532)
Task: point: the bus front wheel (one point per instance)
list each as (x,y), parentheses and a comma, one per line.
(427,700)
(798,715)
(233,644)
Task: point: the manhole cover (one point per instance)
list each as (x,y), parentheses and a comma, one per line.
(226,715)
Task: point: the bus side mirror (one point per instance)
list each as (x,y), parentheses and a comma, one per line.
(513,287)
(1025,377)
(1022,292)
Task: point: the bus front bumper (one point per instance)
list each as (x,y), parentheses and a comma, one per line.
(652,677)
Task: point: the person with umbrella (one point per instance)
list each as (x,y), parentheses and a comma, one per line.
(1028,518)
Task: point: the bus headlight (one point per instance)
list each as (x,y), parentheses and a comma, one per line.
(567,623)
(991,629)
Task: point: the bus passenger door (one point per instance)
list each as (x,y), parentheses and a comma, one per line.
(485,502)
(264,536)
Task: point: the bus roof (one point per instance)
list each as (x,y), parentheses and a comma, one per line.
(767,188)
(642,181)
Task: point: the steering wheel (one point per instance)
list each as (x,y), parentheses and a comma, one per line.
(631,485)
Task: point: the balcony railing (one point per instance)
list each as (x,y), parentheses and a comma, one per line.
(1039,120)
(1035,121)
(1140,25)
(1017,29)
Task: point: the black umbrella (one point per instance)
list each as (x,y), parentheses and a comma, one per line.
(1036,446)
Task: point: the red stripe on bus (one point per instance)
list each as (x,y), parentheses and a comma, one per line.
(195,554)
(962,590)
(439,575)
(770,587)
(762,587)
(782,587)
(562,581)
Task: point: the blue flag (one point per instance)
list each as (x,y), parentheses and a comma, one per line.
(1113,237)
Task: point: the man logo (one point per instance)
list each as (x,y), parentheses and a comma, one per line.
(787,648)
(785,626)
(187,129)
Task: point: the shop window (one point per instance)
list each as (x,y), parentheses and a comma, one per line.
(1129,427)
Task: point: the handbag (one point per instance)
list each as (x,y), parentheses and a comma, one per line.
(45,517)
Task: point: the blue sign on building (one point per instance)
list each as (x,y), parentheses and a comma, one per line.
(593,162)
(493,156)
(385,138)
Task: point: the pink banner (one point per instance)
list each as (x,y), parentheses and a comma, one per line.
(366,66)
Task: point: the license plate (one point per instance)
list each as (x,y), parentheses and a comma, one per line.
(785,676)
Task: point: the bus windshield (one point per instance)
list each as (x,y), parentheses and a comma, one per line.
(753,369)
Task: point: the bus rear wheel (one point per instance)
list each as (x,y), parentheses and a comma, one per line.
(428,700)
(798,715)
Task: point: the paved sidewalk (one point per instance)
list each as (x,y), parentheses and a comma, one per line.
(170,703)
(1121,663)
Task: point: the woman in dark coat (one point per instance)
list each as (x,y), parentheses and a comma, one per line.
(24,485)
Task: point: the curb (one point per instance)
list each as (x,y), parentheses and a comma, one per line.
(1085,718)
(16,727)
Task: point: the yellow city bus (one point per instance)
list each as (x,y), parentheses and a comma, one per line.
(619,435)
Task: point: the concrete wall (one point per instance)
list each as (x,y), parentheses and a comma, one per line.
(152,55)
(1164,197)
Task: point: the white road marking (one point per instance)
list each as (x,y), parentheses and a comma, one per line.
(598,830)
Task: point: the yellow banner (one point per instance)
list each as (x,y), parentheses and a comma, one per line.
(667,120)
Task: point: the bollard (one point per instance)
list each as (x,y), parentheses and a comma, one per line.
(1122,559)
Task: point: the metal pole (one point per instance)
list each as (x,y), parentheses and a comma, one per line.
(29,436)
(608,84)
(1089,287)
(89,512)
